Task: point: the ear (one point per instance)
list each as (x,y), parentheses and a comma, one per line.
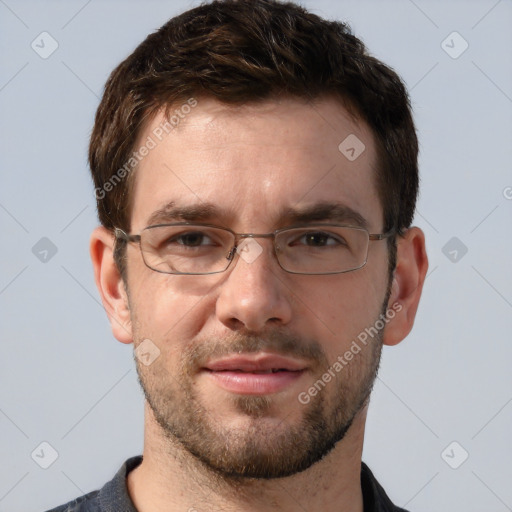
(110,284)
(408,279)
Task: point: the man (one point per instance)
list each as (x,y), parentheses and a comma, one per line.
(256,179)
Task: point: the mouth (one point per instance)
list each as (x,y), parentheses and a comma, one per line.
(255,374)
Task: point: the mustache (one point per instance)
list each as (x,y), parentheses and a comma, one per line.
(278,342)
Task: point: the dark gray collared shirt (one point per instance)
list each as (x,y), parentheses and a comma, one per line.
(114,497)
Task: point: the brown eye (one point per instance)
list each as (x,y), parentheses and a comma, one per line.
(319,239)
(193,239)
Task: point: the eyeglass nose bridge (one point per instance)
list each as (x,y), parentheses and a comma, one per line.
(241,236)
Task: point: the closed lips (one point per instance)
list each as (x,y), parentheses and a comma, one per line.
(261,364)
(255,374)
(273,370)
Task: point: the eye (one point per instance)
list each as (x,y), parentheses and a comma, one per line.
(319,239)
(191,239)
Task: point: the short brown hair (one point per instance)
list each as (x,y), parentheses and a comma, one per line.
(243,51)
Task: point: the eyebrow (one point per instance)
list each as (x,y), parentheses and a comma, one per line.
(192,213)
(209,212)
(326,212)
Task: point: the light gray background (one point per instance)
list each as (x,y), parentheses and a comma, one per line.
(65,380)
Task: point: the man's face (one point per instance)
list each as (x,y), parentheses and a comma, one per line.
(256,169)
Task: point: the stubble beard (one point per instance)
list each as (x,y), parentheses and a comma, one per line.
(264,448)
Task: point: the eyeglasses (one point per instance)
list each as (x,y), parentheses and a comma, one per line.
(199,249)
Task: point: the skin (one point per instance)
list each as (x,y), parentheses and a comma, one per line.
(254,162)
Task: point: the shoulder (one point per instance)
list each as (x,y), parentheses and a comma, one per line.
(374,497)
(86,503)
(112,496)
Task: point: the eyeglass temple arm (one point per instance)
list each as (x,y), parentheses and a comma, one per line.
(381,236)
(120,234)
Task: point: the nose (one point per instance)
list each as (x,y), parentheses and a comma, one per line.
(253,294)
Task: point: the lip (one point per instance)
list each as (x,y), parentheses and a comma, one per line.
(257,374)
(255,362)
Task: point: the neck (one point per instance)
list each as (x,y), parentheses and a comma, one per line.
(170,479)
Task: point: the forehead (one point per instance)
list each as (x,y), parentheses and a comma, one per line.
(252,163)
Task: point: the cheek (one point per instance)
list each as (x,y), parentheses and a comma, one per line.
(169,310)
(339,310)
